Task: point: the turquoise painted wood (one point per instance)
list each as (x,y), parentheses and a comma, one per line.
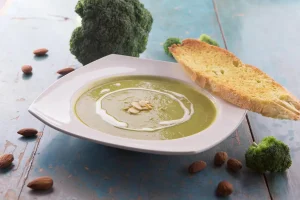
(85,170)
(82,169)
(22,30)
(265,34)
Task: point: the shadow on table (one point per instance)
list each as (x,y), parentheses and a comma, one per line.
(119,174)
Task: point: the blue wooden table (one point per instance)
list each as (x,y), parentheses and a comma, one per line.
(262,33)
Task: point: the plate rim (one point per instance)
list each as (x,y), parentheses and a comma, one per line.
(125,145)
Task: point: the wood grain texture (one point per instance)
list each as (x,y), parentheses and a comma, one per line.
(179,19)
(85,170)
(265,34)
(21,31)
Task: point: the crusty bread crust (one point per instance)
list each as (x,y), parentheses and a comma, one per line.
(203,62)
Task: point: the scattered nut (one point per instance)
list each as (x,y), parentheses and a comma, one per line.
(149,106)
(6,160)
(197,167)
(133,110)
(40,52)
(143,103)
(224,189)
(41,183)
(65,71)
(126,108)
(28,132)
(26,69)
(136,105)
(220,158)
(234,164)
(145,108)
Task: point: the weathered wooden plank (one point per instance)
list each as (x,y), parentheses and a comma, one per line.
(14,100)
(265,34)
(21,31)
(85,170)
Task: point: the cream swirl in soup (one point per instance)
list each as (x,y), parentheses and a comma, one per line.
(145,107)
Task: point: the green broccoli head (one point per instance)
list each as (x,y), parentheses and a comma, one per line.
(208,40)
(110,27)
(269,155)
(169,42)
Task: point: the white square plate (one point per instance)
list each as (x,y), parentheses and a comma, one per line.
(55,106)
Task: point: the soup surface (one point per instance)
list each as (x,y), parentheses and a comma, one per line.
(145,107)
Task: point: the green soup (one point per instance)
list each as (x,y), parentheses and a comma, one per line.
(174,109)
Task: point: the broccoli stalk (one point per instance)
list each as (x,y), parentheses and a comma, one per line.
(207,39)
(254,144)
(110,27)
(269,155)
(169,42)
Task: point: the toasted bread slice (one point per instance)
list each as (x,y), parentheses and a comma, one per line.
(223,74)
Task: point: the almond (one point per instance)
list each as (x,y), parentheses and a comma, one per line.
(143,103)
(41,183)
(6,160)
(234,164)
(197,167)
(26,69)
(28,132)
(65,71)
(132,110)
(40,52)
(136,105)
(220,158)
(224,189)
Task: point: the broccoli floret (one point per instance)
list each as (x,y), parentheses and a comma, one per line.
(110,27)
(208,40)
(269,155)
(169,42)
